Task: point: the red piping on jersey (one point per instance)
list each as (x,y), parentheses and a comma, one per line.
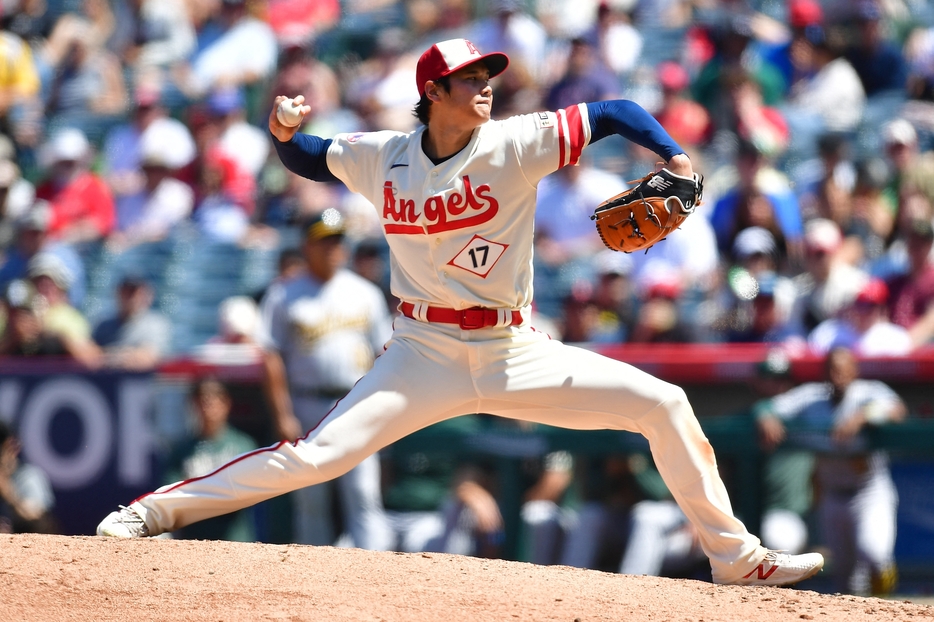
(249,454)
(575,129)
(561,138)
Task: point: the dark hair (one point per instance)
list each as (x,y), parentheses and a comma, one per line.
(207,386)
(5,432)
(424,104)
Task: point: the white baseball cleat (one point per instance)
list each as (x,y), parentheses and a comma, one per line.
(124,523)
(781,569)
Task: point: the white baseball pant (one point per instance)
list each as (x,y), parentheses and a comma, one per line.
(432,372)
(359,490)
(859,529)
(657,540)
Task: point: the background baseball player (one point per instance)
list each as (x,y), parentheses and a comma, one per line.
(320,332)
(456,200)
(858,500)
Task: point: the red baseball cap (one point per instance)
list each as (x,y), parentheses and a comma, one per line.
(444,58)
(874,292)
(803,13)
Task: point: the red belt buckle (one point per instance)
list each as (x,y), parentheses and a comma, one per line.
(472,319)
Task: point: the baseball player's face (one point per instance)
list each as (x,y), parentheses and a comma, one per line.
(470,97)
(842,369)
(325,256)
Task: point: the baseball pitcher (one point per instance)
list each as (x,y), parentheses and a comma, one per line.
(456,200)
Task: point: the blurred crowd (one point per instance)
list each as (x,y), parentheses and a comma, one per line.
(126,124)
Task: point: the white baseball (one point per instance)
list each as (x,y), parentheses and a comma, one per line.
(289,113)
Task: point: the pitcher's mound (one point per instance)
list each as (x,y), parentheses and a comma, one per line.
(59,578)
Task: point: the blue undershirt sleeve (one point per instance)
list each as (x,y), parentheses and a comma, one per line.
(631,121)
(306,156)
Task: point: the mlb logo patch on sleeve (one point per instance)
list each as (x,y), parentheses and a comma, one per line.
(544,120)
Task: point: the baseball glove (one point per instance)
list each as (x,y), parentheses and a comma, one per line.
(636,219)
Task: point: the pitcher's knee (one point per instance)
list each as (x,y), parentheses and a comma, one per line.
(674,418)
(673,408)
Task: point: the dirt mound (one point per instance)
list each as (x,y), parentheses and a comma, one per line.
(59,578)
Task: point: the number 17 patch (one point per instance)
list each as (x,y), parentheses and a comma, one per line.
(479,256)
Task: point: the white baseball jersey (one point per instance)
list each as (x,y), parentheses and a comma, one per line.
(460,232)
(327,333)
(812,403)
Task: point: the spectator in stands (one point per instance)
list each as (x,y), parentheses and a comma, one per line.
(26,496)
(684,119)
(863,327)
(374,93)
(691,251)
(439,503)
(828,284)
(913,206)
(138,337)
(235,342)
(872,216)
(788,493)
(659,319)
(245,143)
(584,79)
(913,169)
(731,37)
(222,213)
(830,97)
(152,36)
(513,31)
(566,199)
(31,238)
(745,115)
(16,195)
(757,316)
(213,442)
(878,61)
(151,213)
(613,296)
(300,72)
(243,52)
(238,321)
(52,280)
(858,500)
(912,294)
(88,90)
(617,41)
(149,123)
(24,333)
(82,204)
(754,278)
(757,201)
(829,196)
(19,88)
(579,314)
(299,22)
(919,54)
(791,56)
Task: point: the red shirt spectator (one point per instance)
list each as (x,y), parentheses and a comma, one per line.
(686,120)
(82,205)
(912,301)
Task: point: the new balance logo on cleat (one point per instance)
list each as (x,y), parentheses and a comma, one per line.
(659,183)
(779,569)
(763,573)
